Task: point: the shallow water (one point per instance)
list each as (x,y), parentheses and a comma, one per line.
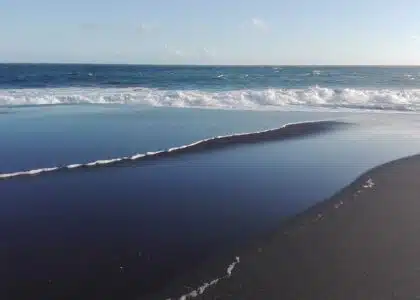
(36,137)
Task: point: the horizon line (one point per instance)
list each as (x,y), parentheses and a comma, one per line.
(209,65)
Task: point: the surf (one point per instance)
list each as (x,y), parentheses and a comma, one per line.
(315,97)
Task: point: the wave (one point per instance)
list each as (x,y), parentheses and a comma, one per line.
(410,76)
(277,99)
(292,130)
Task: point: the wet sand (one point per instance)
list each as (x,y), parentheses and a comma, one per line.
(363,243)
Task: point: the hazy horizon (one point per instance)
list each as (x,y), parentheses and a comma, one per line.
(204,65)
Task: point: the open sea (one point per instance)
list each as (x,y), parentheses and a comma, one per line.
(116,181)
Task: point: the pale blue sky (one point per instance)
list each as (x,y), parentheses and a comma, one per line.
(211,32)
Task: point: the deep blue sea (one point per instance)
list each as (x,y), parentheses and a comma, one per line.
(127,230)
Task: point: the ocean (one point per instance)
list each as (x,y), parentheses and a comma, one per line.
(115,181)
(264,87)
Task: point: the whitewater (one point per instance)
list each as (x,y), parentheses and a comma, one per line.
(315,97)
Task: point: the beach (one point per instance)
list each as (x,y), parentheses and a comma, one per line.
(158,182)
(360,244)
(145,229)
(182,150)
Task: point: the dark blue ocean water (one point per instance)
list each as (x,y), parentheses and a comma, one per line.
(211,78)
(123,231)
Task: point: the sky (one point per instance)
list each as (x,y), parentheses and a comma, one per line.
(234,32)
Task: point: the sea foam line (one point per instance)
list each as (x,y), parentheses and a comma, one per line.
(200,290)
(314,97)
(286,131)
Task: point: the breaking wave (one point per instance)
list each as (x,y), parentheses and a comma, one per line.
(292,130)
(313,97)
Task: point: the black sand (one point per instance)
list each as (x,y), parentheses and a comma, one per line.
(363,243)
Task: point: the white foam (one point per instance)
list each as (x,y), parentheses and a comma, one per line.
(369,184)
(200,290)
(74,166)
(139,156)
(28,173)
(273,99)
(153,153)
(337,205)
(232,266)
(103,162)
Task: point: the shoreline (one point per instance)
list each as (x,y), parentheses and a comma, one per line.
(284,132)
(358,244)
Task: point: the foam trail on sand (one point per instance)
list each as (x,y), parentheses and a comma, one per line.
(369,184)
(292,130)
(200,290)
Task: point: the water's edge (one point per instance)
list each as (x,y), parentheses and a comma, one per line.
(287,225)
(288,131)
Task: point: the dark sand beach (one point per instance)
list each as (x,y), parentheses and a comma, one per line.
(363,243)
